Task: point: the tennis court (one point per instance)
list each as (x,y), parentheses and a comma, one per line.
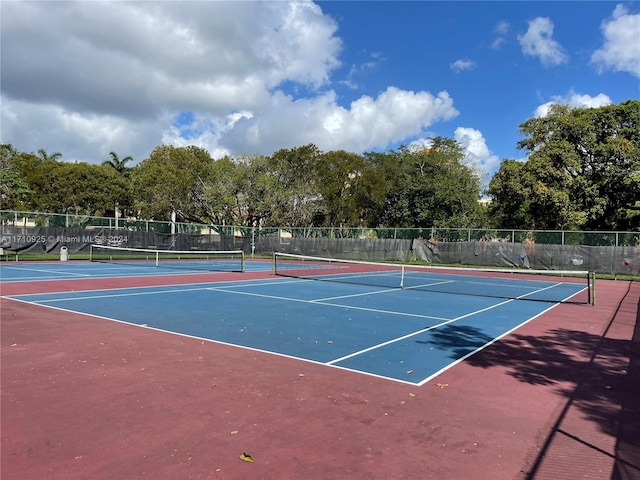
(402,334)
(131,263)
(364,334)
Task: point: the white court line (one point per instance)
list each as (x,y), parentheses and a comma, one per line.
(482,347)
(78,296)
(331,363)
(377,292)
(50,272)
(116,295)
(112,271)
(540,290)
(317,302)
(225,284)
(219,342)
(418,332)
(110,275)
(225,290)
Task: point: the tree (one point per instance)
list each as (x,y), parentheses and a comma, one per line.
(429,188)
(14,190)
(351,191)
(256,193)
(81,188)
(45,157)
(173,179)
(118,164)
(583,171)
(296,196)
(522,201)
(61,187)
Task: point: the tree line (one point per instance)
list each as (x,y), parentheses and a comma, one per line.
(582,172)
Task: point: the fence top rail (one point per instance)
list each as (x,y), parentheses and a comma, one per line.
(564,237)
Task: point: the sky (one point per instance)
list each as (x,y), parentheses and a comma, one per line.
(242,78)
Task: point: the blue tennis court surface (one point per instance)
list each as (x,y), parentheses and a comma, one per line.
(404,335)
(27,272)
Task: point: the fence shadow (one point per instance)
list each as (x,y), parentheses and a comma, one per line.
(591,371)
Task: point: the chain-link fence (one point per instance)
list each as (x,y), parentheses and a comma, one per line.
(603,252)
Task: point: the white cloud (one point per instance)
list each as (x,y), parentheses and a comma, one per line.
(475,147)
(86,78)
(78,135)
(462,65)
(286,122)
(501,29)
(538,42)
(477,154)
(574,100)
(370,64)
(621,48)
(498,42)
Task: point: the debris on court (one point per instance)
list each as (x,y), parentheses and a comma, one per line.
(245,457)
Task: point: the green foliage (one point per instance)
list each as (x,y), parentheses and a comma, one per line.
(46,157)
(43,184)
(14,190)
(295,186)
(172,179)
(429,188)
(118,164)
(583,171)
(351,191)
(255,192)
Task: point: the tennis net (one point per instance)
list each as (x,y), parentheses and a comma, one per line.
(536,285)
(225,261)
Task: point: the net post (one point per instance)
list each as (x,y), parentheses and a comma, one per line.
(157,258)
(402,277)
(91,253)
(592,289)
(242,265)
(273,263)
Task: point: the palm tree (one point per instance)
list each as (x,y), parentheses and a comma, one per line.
(45,157)
(118,164)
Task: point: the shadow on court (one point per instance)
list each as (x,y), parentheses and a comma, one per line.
(459,340)
(598,374)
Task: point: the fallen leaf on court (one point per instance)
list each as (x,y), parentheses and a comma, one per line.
(329,341)
(246,457)
(409,372)
(235,432)
(442,385)
(412,394)
(14,344)
(301,374)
